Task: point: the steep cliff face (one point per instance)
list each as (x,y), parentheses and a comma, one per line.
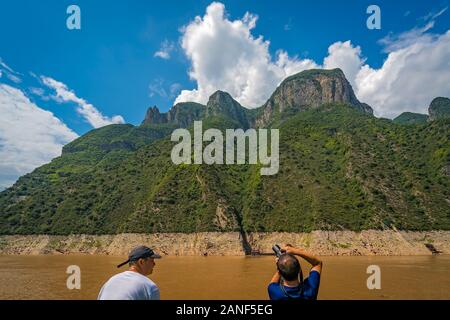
(439,108)
(153,116)
(310,89)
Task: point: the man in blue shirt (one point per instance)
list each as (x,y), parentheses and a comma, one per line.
(288,283)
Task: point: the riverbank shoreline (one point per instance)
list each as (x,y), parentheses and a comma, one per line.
(323,243)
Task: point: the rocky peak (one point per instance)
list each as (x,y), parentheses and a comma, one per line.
(221,103)
(439,108)
(182,114)
(153,116)
(311,89)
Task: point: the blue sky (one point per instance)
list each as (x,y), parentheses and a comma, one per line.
(110,64)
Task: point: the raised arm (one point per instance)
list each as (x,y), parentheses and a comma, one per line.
(313,260)
(276,277)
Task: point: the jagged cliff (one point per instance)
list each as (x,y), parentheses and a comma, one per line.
(310,89)
(439,108)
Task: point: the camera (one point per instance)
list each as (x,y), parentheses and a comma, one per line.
(276,248)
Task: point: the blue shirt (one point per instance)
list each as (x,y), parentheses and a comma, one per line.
(309,291)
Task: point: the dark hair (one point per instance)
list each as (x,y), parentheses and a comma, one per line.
(135,262)
(288,266)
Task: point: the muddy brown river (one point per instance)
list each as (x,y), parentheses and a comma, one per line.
(44,277)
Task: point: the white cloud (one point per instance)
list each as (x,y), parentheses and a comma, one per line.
(29,135)
(10,73)
(226,56)
(393,42)
(166,48)
(4,65)
(158,87)
(433,14)
(13,78)
(174,89)
(409,79)
(345,56)
(87,110)
(37,91)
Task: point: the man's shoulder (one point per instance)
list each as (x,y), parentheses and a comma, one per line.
(132,276)
(273,286)
(274,291)
(313,276)
(145,281)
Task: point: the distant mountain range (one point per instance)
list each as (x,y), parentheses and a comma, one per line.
(439,109)
(341,168)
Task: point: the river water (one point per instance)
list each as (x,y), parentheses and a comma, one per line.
(44,277)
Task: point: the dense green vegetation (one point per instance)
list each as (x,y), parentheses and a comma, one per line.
(340,169)
(411,118)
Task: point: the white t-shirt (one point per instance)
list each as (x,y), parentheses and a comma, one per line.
(129,285)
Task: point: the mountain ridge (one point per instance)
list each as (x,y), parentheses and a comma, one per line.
(330,86)
(341,168)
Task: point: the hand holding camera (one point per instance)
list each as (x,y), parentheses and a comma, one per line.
(288,248)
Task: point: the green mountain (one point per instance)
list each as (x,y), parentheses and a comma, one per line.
(438,109)
(411,118)
(340,168)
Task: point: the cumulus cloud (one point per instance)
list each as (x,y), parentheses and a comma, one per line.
(166,48)
(224,55)
(85,109)
(29,135)
(409,78)
(345,56)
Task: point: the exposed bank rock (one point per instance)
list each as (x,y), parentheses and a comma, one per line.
(341,243)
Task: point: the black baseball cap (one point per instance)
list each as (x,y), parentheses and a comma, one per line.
(140,252)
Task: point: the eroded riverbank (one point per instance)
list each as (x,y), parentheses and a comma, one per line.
(326,243)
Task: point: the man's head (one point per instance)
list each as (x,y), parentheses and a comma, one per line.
(288,266)
(141,259)
(143,265)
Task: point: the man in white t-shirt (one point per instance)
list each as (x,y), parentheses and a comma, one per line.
(133,284)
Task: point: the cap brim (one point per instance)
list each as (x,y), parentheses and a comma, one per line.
(123,263)
(155,256)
